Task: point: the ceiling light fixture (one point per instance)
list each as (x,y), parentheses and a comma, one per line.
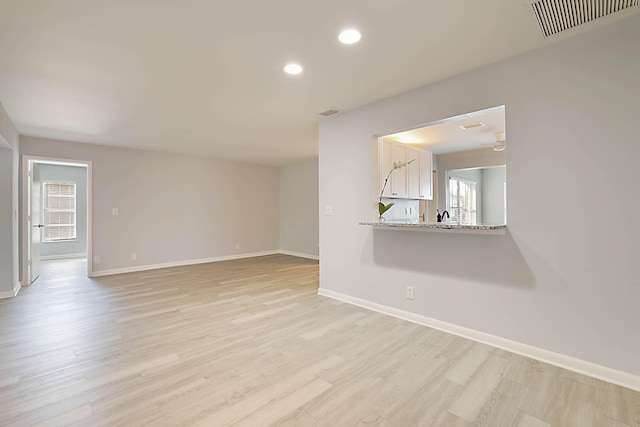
(349,36)
(471,125)
(501,142)
(293,68)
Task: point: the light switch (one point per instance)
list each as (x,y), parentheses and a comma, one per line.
(114,212)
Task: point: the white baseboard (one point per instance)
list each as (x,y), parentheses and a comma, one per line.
(12,293)
(66,256)
(614,376)
(300,254)
(178,263)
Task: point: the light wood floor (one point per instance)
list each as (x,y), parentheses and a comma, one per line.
(249,342)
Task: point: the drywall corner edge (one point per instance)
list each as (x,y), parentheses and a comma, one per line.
(12,293)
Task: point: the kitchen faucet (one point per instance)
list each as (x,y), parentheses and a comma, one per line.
(440,218)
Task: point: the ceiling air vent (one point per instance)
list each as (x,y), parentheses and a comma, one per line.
(555,16)
(329,112)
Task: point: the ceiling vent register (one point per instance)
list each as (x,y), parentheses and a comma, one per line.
(329,112)
(555,16)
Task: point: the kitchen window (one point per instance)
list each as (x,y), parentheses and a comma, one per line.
(462,201)
(59,211)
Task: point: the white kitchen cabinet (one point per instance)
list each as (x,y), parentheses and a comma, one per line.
(413,173)
(385,154)
(426,177)
(399,183)
(411,182)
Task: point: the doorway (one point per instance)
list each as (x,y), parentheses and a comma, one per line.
(56,216)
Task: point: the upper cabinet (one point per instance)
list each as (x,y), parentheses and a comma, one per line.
(385,154)
(426,176)
(413,173)
(399,184)
(413,181)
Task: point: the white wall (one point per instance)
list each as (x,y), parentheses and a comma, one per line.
(77,175)
(462,160)
(560,282)
(172,208)
(492,201)
(299,208)
(6,209)
(9,159)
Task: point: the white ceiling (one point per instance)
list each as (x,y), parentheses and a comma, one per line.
(446,136)
(205,77)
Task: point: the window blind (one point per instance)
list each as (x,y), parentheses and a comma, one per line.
(59,211)
(462,201)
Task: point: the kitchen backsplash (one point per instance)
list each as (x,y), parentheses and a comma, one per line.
(402,210)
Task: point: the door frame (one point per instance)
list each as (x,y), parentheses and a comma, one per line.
(26,230)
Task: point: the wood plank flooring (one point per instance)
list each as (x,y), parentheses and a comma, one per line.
(249,343)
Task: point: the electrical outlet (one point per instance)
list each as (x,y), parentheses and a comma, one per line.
(411,292)
(237,245)
(115,211)
(134,257)
(96,259)
(328,211)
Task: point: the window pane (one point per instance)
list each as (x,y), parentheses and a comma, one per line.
(59,214)
(462,200)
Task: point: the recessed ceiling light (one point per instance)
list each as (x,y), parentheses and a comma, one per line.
(349,36)
(293,68)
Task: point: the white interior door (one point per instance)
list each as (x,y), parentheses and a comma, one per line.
(35,221)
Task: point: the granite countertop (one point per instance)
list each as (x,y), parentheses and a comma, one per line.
(436,226)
